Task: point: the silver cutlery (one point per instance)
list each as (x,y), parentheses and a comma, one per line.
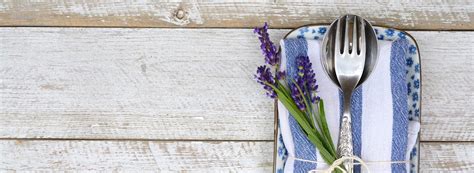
(350,54)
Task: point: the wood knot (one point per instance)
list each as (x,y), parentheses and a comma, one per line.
(180,14)
(183,15)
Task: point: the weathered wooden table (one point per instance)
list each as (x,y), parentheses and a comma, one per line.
(165,87)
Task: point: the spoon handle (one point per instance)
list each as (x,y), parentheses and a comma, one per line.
(344,147)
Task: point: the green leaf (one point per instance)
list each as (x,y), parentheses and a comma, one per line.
(313,135)
(282,88)
(297,114)
(324,126)
(328,157)
(324,141)
(285,90)
(319,139)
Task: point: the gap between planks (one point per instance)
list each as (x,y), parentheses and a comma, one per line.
(132,139)
(220,28)
(174,140)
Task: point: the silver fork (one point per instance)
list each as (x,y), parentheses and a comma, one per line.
(349,62)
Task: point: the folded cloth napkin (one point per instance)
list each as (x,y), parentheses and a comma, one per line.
(381,129)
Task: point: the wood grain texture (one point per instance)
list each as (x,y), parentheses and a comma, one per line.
(447,66)
(132,83)
(158,156)
(447,157)
(183,84)
(133,156)
(432,14)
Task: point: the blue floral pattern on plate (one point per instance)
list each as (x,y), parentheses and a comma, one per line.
(413,82)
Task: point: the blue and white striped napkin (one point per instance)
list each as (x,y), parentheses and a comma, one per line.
(380,126)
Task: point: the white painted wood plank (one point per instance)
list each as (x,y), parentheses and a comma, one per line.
(428,14)
(123,156)
(132,83)
(133,156)
(447,89)
(183,84)
(447,157)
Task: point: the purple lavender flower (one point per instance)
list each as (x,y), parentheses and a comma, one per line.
(267,46)
(306,81)
(264,76)
(306,78)
(280,75)
(297,97)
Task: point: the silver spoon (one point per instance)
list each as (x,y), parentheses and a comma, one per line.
(350,54)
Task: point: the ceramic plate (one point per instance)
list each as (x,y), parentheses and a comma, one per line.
(316,32)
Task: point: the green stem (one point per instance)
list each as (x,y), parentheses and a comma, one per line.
(327,144)
(318,139)
(324,153)
(292,108)
(324,125)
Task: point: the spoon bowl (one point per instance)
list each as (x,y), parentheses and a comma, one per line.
(328,45)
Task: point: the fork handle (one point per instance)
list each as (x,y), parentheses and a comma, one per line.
(345,146)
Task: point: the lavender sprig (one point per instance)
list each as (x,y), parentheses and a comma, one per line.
(264,76)
(306,78)
(298,96)
(305,86)
(267,46)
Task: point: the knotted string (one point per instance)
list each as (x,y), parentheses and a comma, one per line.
(336,163)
